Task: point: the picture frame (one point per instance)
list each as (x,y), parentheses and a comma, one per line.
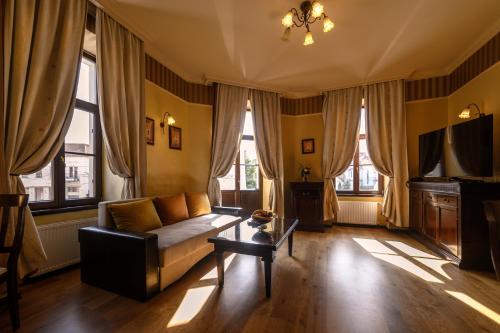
(175,137)
(308,146)
(150,131)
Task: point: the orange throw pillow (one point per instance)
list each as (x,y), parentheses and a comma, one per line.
(137,215)
(198,204)
(171,209)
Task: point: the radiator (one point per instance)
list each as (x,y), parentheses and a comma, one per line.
(60,241)
(357,212)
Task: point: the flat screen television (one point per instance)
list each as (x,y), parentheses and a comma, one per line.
(462,150)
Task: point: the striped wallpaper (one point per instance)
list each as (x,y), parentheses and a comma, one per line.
(300,106)
(168,80)
(442,86)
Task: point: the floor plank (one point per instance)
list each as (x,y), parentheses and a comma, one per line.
(344,280)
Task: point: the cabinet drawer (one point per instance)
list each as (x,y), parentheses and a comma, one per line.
(447,200)
(307,193)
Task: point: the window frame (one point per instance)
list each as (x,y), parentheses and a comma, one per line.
(237,168)
(355,164)
(59,203)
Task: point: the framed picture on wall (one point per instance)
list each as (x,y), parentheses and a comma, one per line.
(150,131)
(308,146)
(174,137)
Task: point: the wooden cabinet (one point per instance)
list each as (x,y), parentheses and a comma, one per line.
(307,205)
(449,217)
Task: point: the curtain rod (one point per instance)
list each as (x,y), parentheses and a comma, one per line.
(365,83)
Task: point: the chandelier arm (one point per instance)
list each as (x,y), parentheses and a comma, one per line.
(298,25)
(315,19)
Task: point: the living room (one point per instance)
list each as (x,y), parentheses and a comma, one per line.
(227,166)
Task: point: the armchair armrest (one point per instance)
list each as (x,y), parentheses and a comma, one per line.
(236,211)
(124,262)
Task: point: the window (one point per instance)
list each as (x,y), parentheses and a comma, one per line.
(244,174)
(73,178)
(360,178)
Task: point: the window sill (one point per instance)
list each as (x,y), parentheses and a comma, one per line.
(49,211)
(359,195)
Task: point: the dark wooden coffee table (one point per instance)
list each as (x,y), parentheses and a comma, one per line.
(245,238)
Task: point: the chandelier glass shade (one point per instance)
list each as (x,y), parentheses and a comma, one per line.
(308,13)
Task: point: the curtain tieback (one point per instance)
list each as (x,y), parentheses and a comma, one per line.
(128,177)
(14,174)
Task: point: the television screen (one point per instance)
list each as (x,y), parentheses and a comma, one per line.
(460,150)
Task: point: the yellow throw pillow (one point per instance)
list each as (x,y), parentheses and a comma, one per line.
(198,204)
(137,215)
(171,209)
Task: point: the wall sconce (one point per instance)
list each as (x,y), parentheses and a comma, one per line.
(170,121)
(465,114)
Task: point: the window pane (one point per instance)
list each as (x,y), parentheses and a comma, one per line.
(362,122)
(345,182)
(248,128)
(80,136)
(87,82)
(364,157)
(249,177)
(368,178)
(39,185)
(228,182)
(79,177)
(248,153)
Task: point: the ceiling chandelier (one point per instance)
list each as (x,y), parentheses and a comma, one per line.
(310,12)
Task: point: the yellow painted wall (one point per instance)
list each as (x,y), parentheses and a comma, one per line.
(169,171)
(172,171)
(484,90)
(293,130)
(422,117)
(429,115)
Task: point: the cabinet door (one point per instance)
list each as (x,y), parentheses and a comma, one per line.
(416,211)
(448,228)
(431,218)
(308,208)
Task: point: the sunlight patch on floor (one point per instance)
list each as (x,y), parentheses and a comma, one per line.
(408,266)
(191,305)
(373,246)
(410,250)
(475,305)
(213,273)
(436,265)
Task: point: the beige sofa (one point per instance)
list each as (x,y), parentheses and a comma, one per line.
(179,247)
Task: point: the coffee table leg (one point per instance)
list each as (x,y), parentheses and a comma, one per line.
(290,243)
(268,261)
(219,257)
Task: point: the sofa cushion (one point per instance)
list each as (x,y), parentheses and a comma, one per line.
(177,241)
(171,209)
(137,215)
(198,204)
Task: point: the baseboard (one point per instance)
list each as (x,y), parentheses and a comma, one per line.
(355,225)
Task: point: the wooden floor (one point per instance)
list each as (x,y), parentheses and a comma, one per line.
(345,280)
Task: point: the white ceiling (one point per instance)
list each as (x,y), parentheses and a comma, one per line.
(239,42)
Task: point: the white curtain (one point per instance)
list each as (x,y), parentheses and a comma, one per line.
(121,75)
(341,115)
(386,131)
(266,113)
(41,53)
(230,108)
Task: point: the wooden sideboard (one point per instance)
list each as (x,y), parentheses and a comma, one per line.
(307,205)
(449,216)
